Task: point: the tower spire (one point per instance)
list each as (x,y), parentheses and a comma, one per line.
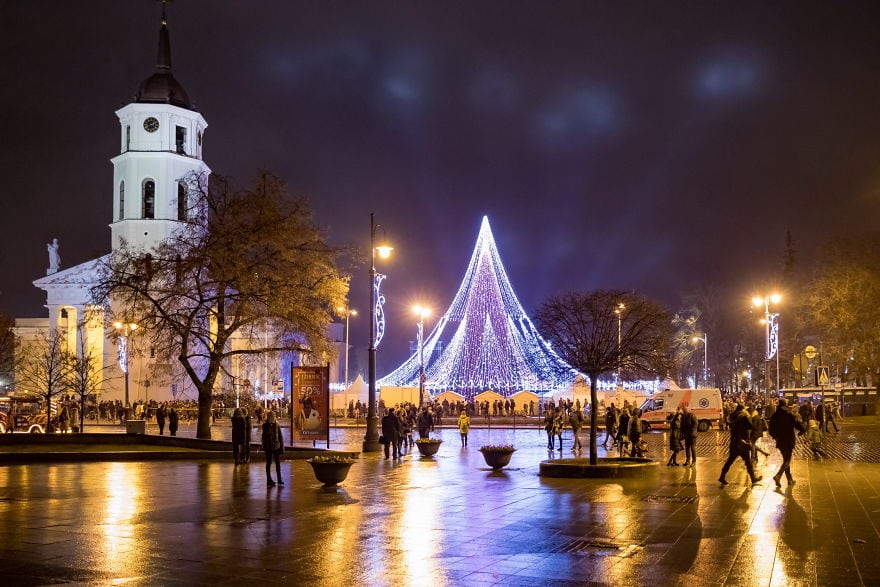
(161,87)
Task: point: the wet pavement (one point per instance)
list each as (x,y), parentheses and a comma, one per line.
(447,520)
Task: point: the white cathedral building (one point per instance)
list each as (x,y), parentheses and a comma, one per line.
(160,144)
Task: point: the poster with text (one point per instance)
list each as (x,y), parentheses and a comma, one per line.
(311,403)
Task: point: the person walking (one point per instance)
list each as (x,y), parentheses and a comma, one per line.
(576,420)
(814,437)
(758,427)
(674,437)
(161,415)
(635,433)
(558,425)
(238,436)
(273,446)
(548,427)
(464,426)
(610,426)
(173,420)
(391,433)
(623,431)
(740,425)
(831,411)
(783,428)
(689,427)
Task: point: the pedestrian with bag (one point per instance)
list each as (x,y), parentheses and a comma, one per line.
(740,425)
(273,446)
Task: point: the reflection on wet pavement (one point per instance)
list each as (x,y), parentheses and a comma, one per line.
(446,520)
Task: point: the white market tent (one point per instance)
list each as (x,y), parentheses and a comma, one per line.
(522,398)
(392,396)
(450,396)
(489,396)
(356,391)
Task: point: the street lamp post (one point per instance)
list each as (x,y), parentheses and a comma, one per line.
(619,311)
(705,340)
(371,438)
(348,313)
(125,329)
(771,320)
(422,313)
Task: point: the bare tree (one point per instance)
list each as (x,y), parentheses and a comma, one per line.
(44,371)
(607,330)
(85,378)
(245,263)
(7,350)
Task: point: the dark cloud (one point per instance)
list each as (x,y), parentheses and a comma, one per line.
(646,145)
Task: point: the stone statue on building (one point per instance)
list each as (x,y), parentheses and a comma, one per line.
(54,257)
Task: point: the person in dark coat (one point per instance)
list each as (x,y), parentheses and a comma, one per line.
(172,422)
(424,423)
(273,446)
(635,433)
(391,433)
(689,426)
(674,437)
(740,424)
(238,436)
(161,414)
(784,426)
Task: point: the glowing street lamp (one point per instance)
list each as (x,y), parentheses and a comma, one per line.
(124,329)
(705,340)
(422,313)
(771,319)
(619,311)
(348,313)
(371,438)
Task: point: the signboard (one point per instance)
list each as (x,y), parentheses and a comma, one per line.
(823,376)
(810,351)
(310,396)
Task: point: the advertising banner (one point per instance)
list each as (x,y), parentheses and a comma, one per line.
(310,395)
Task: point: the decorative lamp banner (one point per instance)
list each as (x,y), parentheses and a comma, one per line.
(380,312)
(772,336)
(311,403)
(123,354)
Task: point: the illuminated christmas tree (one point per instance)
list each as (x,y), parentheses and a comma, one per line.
(490,341)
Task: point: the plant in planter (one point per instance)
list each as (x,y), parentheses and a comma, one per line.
(428,446)
(497,456)
(332,469)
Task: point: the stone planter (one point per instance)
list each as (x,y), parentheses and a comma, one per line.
(330,473)
(497,459)
(429,449)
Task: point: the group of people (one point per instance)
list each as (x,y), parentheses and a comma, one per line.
(785,424)
(683,427)
(623,429)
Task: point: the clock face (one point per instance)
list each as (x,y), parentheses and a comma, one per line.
(151,124)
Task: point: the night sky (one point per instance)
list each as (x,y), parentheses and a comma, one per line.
(656,146)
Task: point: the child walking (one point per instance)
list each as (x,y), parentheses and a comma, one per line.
(814,437)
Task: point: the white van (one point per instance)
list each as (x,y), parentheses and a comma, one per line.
(705,404)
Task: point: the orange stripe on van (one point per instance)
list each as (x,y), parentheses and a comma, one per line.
(686,398)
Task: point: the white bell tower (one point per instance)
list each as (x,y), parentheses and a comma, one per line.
(161,145)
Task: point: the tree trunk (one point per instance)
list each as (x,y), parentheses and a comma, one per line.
(594,405)
(203,429)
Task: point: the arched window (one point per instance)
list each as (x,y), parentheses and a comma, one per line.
(122,200)
(148,207)
(181,201)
